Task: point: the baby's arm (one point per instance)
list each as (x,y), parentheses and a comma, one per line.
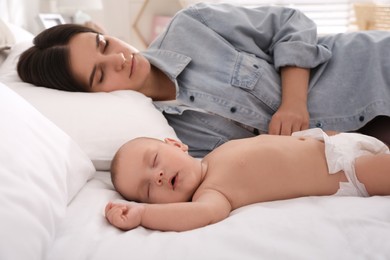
(208,208)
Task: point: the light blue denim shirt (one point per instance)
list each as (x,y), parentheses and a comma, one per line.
(225,60)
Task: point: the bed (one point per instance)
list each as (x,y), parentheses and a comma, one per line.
(55,153)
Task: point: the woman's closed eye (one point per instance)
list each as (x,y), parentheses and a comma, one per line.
(103,43)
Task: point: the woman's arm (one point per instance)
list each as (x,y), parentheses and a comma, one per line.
(292,114)
(207,209)
(283,37)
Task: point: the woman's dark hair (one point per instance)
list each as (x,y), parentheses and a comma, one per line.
(47,62)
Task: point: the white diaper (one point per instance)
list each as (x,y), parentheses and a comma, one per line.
(341,150)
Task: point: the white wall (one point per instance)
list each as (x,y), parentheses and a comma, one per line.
(117,17)
(21,12)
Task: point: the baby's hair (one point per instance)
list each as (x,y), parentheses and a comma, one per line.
(115,165)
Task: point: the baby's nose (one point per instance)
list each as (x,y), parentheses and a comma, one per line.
(159,178)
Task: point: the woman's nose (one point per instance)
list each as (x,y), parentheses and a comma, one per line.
(118,60)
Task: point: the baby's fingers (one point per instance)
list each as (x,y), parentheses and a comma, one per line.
(111,205)
(108,207)
(114,211)
(117,217)
(124,216)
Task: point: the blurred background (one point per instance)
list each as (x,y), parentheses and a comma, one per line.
(139,21)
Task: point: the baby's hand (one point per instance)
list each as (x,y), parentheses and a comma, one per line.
(125,216)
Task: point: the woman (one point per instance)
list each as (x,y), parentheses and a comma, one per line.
(223,72)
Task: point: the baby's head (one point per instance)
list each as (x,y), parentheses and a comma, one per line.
(154,171)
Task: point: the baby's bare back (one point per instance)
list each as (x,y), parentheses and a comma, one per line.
(267,167)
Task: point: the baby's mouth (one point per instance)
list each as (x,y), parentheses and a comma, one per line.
(173,181)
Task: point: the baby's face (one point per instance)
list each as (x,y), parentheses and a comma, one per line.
(153,171)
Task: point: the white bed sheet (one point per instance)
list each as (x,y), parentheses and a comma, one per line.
(304,228)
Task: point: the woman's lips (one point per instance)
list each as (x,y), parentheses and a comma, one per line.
(132,62)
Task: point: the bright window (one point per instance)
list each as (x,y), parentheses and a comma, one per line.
(331,16)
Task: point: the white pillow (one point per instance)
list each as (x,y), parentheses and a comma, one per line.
(41,170)
(7,38)
(99,122)
(19,33)
(9,35)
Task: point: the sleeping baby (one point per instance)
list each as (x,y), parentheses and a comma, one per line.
(169,190)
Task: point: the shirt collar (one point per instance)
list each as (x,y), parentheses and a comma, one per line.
(170,62)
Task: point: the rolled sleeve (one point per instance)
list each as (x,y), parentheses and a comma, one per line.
(281,36)
(300,54)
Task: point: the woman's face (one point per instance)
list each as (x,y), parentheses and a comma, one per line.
(103,63)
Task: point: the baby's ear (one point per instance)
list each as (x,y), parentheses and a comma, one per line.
(176,143)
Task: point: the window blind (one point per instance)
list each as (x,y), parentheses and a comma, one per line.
(331,16)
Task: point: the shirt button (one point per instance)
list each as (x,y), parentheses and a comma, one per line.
(319,124)
(361,118)
(255,66)
(233,109)
(192,98)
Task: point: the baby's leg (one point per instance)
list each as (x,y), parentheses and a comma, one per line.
(374,172)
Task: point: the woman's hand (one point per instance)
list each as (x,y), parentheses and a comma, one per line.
(292,115)
(288,119)
(124,216)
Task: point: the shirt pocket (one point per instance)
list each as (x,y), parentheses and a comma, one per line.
(247,71)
